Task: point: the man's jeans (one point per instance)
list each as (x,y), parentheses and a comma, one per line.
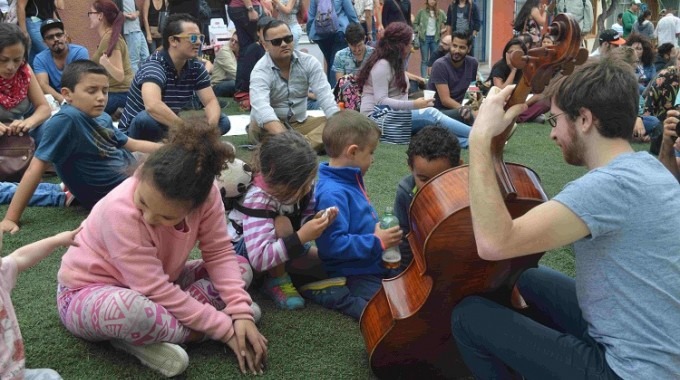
(550,342)
(329,46)
(145,127)
(116,100)
(37,43)
(137,49)
(225,88)
(246,30)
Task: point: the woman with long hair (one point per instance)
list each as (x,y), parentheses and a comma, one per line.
(19,89)
(385,91)
(644,63)
(644,26)
(428,25)
(112,52)
(503,73)
(530,18)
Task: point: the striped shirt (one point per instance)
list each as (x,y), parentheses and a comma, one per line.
(176,88)
(265,250)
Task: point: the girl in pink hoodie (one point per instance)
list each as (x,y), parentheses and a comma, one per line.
(129,281)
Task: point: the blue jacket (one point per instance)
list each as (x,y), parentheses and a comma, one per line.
(348,246)
(343,8)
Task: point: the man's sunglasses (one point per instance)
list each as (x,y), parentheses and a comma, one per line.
(55,36)
(277,41)
(193,38)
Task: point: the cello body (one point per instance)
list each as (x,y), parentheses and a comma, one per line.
(407,324)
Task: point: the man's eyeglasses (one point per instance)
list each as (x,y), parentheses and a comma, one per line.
(193,38)
(552,119)
(55,36)
(277,41)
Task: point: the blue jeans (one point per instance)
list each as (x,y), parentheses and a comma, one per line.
(329,46)
(45,195)
(145,127)
(37,43)
(427,47)
(246,30)
(432,116)
(650,122)
(550,342)
(225,88)
(350,299)
(116,100)
(137,49)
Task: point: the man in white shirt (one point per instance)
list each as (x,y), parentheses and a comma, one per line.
(609,39)
(618,25)
(668,29)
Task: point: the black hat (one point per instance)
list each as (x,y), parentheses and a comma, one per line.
(50,23)
(611,36)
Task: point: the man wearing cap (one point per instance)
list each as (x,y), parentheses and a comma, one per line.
(630,17)
(609,39)
(49,64)
(668,29)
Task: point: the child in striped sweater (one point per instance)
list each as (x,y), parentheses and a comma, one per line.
(275,224)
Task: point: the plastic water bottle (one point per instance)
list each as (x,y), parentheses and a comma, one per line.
(391,257)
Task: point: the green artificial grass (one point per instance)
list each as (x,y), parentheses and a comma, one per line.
(304,344)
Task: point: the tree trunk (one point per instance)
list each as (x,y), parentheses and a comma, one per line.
(610,7)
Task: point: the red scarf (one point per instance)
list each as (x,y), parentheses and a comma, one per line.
(15,89)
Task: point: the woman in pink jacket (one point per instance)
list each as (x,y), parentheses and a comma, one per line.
(129,281)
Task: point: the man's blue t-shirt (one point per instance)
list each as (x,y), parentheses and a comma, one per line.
(87,153)
(628,268)
(177,88)
(43,63)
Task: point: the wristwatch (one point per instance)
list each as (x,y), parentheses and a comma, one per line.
(250,9)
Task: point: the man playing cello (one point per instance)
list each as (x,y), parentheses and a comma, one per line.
(620,317)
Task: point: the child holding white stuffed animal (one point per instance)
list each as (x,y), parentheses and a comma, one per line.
(275,223)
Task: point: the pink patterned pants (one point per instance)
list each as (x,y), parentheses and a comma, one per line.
(105,312)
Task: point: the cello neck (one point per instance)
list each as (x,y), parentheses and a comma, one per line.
(518,96)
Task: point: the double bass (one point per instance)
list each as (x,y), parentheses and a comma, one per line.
(407,325)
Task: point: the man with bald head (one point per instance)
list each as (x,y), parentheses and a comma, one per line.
(444,46)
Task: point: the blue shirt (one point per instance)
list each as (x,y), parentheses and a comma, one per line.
(343,9)
(87,153)
(43,63)
(627,269)
(177,88)
(345,63)
(348,246)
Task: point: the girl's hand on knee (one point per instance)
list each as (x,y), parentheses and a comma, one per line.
(249,345)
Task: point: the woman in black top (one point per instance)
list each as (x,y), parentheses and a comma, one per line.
(502,72)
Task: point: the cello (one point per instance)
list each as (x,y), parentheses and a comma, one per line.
(406,325)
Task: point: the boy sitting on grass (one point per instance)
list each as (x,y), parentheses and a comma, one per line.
(431,151)
(12,357)
(90,155)
(351,247)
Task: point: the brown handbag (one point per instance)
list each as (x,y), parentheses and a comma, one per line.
(16,153)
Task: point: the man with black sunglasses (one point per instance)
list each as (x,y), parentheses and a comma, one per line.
(167,81)
(49,64)
(279,86)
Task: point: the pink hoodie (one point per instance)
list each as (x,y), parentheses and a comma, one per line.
(117,247)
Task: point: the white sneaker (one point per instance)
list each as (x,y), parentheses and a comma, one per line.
(167,358)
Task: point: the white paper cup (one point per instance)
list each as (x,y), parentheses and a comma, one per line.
(428,94)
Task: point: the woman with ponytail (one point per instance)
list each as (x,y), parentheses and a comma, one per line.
(112,52)
(131,257)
